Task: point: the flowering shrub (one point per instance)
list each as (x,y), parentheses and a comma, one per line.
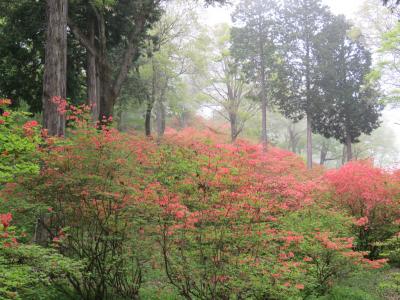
(221,230)
(89,184)
(215,221)
(371,196)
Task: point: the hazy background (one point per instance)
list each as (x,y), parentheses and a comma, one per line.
(350,8)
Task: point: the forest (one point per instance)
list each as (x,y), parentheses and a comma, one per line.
(199,149)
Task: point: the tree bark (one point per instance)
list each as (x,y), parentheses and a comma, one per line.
(234,127)
(344,155)
(160,117)
(293,138)
(324,153)
(55,67)
(349,150)
(93,80)
(183,119)
(309,143)
(264,137)
(147,122)
(120,122)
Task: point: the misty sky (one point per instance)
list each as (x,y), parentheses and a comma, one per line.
(349,8)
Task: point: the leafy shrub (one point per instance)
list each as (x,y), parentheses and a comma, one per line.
(241,229)
(391,249)
(18,144)
(371,196)
(90,184)
(214,221)
(390,287)
(30,271)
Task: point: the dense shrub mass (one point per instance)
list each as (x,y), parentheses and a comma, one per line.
(123,217)
(371,196)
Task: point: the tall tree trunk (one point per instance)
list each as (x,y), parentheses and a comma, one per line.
(344,157)
(93,80)
(120,117)
(264,137)
(234,129)
(160,119)
(55,66)
(54,84)
(349,150)
(183,119)
(308,102)
(309,143)
(324,153)
(293,140)
(147,119)
(107,98)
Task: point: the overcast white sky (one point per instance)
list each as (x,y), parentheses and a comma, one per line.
(215,15)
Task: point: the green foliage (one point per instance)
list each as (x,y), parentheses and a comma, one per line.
(350,293)
(89,183)
(31,271)
(351,108)
(390,287)
(188,218)
(255,45)
(328,265)
(391,249)
(303,22)
(18,146)
(22,51)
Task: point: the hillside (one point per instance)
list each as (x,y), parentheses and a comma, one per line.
(188,217)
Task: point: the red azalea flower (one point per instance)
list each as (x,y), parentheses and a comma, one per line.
(5,219)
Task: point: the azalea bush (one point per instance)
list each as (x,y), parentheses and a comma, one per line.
(371,196)
(20,139)
(193,217)
(88,188)
(244,224)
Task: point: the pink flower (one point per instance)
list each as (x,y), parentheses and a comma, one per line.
(180,214)
(5,102)
(5,219)
(361,221)
(287,284)
(31,124)
(6,114)
(299,286)
(61,104)
(307,259)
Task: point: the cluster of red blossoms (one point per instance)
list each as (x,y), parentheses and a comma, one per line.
(9,241)
(4,102)
(5,220)
(61,104)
